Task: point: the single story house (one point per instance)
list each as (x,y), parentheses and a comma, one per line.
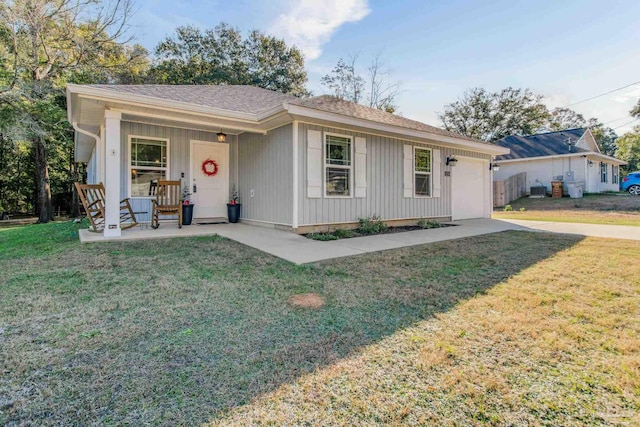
(298,164)
(568,155)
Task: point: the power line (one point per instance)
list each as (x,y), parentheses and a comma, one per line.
(616,120)
(602,94)
(625,124)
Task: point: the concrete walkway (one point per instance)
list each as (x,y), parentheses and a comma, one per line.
(300,250)
(593,230)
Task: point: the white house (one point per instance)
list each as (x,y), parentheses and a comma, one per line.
(299,164)
(569,155)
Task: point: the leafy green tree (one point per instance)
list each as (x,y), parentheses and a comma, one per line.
(222,56)
(489,116)
(565,118)
(629,149)
(42,44)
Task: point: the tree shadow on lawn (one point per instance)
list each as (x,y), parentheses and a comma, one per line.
(177,331)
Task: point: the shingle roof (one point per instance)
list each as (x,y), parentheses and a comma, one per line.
(332,104)
(540,145)
(240,98)
(255,100)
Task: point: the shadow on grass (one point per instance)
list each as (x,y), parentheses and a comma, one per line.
(178,331)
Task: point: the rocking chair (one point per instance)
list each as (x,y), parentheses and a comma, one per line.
(92,198)
(168,202)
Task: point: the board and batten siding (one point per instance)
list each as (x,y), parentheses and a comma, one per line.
(179,152)
(384,183)
(265,166)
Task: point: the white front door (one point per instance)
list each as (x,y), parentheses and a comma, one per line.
(469,186)
(210,188)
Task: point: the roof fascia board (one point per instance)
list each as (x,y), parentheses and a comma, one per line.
(368,124)
(191,121)
(150,101)
(560,156)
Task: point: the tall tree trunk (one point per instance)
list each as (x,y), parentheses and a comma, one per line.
(44,208)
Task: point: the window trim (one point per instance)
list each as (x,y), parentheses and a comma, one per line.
(350,168)
(604,176)
(167,168)
(430,173)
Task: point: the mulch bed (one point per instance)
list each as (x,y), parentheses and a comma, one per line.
(389,230)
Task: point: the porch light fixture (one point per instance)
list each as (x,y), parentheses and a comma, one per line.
(451,160)
(222,137)
(590,163)
(494,167)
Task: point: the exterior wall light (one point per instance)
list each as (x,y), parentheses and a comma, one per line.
(222,137)
(494,167)
(451,160)
(590,163)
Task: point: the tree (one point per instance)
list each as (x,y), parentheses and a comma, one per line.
(43,42)
(565,118)
(223,56)
(489,116)
(635,112)
(629,149)
(376,91)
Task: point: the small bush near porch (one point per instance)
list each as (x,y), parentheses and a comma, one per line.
(512,328)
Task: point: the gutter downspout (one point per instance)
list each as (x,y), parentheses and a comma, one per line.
(97,138)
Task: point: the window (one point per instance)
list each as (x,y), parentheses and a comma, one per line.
(149,163)
(603,172)
(615,172)
(422,172)
(338,165)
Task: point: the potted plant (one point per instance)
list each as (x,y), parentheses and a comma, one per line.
(187,206)
(233,207)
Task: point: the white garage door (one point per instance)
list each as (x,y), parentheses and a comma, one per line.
(469,183)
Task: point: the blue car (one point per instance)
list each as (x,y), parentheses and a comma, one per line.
(631,183)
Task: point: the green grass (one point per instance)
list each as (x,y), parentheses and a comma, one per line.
(607,208)
(509,328)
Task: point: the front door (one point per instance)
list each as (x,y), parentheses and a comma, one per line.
(209,179)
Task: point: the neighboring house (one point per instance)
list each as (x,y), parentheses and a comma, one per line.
(569,155)
(299,164)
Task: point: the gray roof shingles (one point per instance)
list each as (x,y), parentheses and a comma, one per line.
(255,100)
(540,145)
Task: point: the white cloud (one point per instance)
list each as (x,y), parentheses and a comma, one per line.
(309,24)
(632,93)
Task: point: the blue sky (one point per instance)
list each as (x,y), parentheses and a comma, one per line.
(565,50)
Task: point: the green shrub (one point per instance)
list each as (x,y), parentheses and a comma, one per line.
(508,208)
(343,234)
(371,225)
(429,223)
(522,209)
(322,236)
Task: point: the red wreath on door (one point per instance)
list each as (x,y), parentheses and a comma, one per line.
(210,167)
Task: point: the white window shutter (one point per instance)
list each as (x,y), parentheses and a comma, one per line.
(361,167)
(314,164)
(408,171)
(436,172)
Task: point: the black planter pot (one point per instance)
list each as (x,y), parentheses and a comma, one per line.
(187,214)
(233,212)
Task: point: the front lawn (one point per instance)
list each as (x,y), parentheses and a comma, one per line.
(614,209)
(510,328)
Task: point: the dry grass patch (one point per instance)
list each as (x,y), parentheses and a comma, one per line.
(614,209)
(555,344)
(310,300)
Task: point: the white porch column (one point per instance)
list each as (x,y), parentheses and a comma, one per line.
(112,173)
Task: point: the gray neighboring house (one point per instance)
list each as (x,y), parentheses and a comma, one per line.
(568,155)
(298,164)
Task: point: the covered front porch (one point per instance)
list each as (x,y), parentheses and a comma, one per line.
(129,147)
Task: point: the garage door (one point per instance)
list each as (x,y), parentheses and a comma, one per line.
(469,182)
